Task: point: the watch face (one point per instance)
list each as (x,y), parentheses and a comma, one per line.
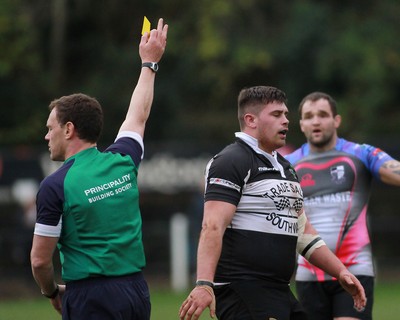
(155,66)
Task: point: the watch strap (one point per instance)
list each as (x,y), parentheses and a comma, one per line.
(152,65)
(53,295)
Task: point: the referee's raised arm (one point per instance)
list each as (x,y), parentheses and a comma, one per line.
(151,49)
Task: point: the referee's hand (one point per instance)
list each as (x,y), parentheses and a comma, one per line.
(57,301)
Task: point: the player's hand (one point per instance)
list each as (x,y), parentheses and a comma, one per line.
(353,286)
(200,298)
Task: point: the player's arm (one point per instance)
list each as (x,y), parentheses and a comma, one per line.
(314,249)
(42,267)
(389,172)
(151,49)
(217,216)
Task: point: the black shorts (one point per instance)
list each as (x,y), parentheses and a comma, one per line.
(326,300)
(107,298)
(257,300)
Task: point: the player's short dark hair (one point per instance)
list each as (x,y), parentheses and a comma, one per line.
(83,111)
(315,96)
(255,99)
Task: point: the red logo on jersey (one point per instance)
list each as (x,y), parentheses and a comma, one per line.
(376,151)
(307,180)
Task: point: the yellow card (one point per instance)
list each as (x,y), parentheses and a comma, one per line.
(146,25)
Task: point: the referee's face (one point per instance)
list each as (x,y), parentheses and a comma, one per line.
(55,137)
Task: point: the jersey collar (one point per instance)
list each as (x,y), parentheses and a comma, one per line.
(253,143)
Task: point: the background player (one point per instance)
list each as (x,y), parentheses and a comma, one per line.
(335,175)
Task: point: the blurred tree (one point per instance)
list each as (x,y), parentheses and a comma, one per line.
(20,73)
(215,47)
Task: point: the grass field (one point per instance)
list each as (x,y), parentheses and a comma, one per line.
(165,305)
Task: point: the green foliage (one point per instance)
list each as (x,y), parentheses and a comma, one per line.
(20,78)
(215,47)
(17,39)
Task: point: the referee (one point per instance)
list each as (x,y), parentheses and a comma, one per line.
(89,207)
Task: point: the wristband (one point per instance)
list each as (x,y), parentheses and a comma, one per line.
(53,295)
(204,283)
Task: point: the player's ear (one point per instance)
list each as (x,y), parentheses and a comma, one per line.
(249,120)
(338,120)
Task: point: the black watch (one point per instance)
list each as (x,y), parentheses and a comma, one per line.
(54,294)
(152,65)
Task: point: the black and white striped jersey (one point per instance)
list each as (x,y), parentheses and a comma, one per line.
(260,242)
